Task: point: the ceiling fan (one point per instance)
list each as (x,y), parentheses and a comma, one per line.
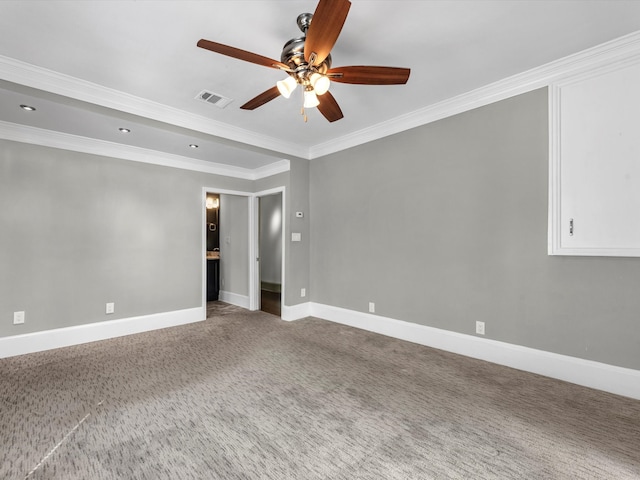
(307,60)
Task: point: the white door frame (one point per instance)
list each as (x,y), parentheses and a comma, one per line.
(221,191)
(254,273)
(255,242)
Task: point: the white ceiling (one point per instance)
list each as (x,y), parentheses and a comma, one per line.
(90,67)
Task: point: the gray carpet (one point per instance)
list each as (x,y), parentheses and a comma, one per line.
(245,395)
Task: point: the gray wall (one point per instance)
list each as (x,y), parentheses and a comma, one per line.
(77,231)
(446,224)
(297,274)
(270,224)
(234,244)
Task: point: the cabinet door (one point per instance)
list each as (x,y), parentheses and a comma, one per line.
(595,164)
(213,280)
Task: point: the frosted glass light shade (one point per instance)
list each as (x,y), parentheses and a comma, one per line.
(286,86)
(310,99)
(320,83)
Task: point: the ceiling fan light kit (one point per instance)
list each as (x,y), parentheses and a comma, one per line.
(320,83)
(287,86)
(310,99)
(307,61)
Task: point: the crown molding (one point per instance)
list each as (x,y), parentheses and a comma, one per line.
(65,141)
(619,50)
(16,71)
(271,169)
(36,77)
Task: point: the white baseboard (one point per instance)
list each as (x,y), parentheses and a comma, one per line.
(65,337)
(234,299)
(601,376)
(295,312)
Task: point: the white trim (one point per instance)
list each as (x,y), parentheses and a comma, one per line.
(601,376)
(250,302)
(49,138)
(254,292)
(235,299)
(554,210)
(295,312)
(48,80)
(91,332)
(271,169)
(255,235)
(609,52)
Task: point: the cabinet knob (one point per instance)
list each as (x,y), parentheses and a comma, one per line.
(571,227)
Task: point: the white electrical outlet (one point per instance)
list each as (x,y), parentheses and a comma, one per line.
(480,328)
(110,308)
(18,318)
(303,292)
(372,307)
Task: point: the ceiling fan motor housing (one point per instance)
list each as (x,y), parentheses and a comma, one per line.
(293,54)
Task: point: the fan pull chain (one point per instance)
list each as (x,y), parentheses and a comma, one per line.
(304,115)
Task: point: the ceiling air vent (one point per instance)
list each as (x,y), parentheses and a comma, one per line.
(214,99)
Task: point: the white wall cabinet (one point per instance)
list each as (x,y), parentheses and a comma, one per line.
(595,162)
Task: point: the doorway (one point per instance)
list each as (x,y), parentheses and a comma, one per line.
(270,221)
(212,204)
(239,256)
(231,236)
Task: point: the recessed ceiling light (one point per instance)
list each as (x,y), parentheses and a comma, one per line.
(193,145)
(28,108)
(124,130)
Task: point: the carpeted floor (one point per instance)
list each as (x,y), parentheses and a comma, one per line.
(245,395)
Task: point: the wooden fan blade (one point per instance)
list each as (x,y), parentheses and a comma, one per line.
(365,75)
(329,107)
(325,28)
(261,99)
(240,54)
